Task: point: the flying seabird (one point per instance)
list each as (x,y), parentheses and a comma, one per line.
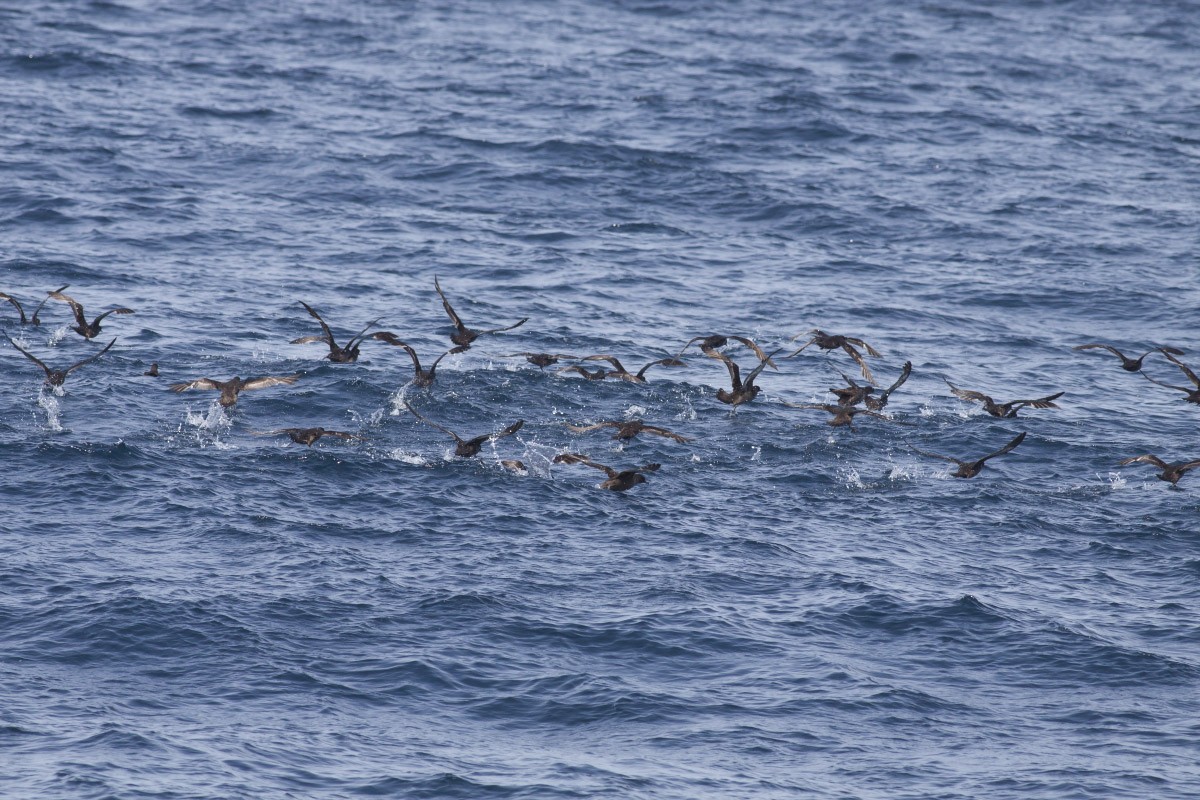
(827,341)
(1128,364)
(852,393)
(56,377)
(338,355)
(1193,395)
(307,436)
(969,469)
(617,481)
(543,360)
(842,415)
(33,320)
(421,377)
(1008,409)
(231,388)
(618,370)
(83,327)
(710,343)
(1170,472)
(877,403)
(743,391)
(627,429)
(465,448)
(463,335)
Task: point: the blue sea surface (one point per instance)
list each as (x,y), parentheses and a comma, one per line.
(190,609)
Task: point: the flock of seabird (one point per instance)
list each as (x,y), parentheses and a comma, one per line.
(852,400)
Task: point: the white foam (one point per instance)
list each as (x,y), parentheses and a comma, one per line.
(49,403)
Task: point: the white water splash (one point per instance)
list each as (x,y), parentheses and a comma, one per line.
(416,459)
(757,453)
(58,336)
(852,479)
(636,411)
(49,403)
(1116,481)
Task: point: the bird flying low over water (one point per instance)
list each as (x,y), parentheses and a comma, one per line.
(88,330)
(627,429)
(1008,409)
(843,415)
(421,377)
(618,370)
(338,355)
(56,377)
(742,391)
(1170,472)
(307,436)
(878,403)
(852,393)
(1193,395)
(465,448)
(618,481)
(828,341)
(33,320)
(969,469)
(542,360)
(463,335)
(711,343)
(231,388)
(1128,364)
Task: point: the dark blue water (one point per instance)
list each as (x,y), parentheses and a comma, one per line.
(785,609)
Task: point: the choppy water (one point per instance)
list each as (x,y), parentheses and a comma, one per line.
(783,610)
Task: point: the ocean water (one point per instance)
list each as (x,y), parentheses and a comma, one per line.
(784,609)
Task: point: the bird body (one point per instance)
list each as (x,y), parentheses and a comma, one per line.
(618,480)
(466,448)
(88,330)
(33,320)
(1128,364)
(307,436)
(1193,395)
(742,391)
(829,341)
(421,377)
(57,377)
(878,403)
(969,469)
(464,336)
(1170,472)
(231,388)
(338,355)
(1007,410)
(628,429)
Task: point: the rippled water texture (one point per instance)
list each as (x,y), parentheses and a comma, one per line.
(784,609)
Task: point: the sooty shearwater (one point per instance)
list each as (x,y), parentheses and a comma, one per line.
(828,341)
(306,436)
(1128,364)
(627,429)
(231,388)
(742,391)
(1170,472)
(463,336)
(338,355)
(843,415)
(56,377)
(421,377)
(618,481)
(1008,409)
(542,360)
(465,448)
(710,343)
(1193,395)
(969,469)
(33,320)
(88,330)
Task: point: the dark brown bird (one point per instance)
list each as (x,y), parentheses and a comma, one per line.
(617,481)
(852,393)
(969,469)
(543,360)
(618,370)
(338,355)
(711,343)
(153,371)
(842,415)
(627,429)
(1128,364)
(1170,472)
(465,448)
(421,377)
(56,377)
(88,330)
(514,465)
(878,403)
(463,335)
(33,320)
(306,436)
(231,388)
(1193,395)
(1008,409)
(743,391)
(827,341)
